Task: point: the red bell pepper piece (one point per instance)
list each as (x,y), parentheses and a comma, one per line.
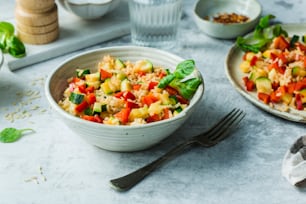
(136,87)
(300,84)
(152,85)
(130,104)
(249,84)
(298,102)
(94,118)
(275,97)
(82,106)
(253,60)
(153,118)
(105,74)
(129,95)
(281,43)
(123,115)
(82,88)
(91,98)
(149,99)
(264,97)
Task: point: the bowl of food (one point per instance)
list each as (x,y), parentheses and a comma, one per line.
(226,19)
(125,98)
(89,9)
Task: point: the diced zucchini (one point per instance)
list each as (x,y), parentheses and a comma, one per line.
(121,75)
(257,73)
(177,110)
(144,66)
(286,98)
(125,85)
(139,113)
(106,87)
(88,111)
(245,66)
(298,71)
(155,108)
(119,64)
(110,85)
(76,98)
(99,107)
(173,99)
(82,72)
(303,95)
(95,84)
(263,85)
(92,77)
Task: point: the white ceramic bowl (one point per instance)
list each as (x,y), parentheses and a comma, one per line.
(204,8)
(89,9)
(117,138)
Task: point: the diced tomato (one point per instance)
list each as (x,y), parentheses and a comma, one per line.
(119,94)
(282,90)
(281,43)
(141,73)
(166,113)
(171,90)
(249,84)
(82,88)
(129,95)
(91,98)
(82,106)
(181,99)
(105,74)
(162,75)
(136,87)
(300,84)
(90,89)
(123,115)
(291,87)
(153,118)
(152,85)
(94,118)
(273,56)
(275,85)
(149,99)
(301,46)
(130,104)
(75,80)
(253,60)
(298,101)
(264,97)
(275,97)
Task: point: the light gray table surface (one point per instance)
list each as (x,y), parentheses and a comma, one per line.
(245,168)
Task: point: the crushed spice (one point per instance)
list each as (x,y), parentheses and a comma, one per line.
(227,18)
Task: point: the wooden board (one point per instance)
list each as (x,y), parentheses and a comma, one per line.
(75,34)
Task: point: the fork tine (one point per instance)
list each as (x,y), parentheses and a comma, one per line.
(228,124)
(219,125)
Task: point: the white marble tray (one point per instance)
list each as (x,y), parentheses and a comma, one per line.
(75,34)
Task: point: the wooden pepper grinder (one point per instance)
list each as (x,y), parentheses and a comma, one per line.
(36,21)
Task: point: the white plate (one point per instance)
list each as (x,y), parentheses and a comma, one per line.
(233,60)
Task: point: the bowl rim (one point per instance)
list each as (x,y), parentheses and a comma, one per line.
(59,110)
(108,2)
(259,11)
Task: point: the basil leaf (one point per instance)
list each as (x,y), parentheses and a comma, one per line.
(184,68)
(15,47)
(7,28)
(165,81)
(8,135)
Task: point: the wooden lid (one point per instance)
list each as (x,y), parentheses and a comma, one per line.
(36,6)
(37,29)
(38,39)
(36,19)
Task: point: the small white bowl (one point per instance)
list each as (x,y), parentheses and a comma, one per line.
(204,8)
(89,9)
(121,137)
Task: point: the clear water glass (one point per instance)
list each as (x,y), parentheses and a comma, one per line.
(154,23)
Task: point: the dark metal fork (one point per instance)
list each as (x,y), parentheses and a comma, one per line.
(207,139)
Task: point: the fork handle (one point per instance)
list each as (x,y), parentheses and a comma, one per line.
(128,181)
